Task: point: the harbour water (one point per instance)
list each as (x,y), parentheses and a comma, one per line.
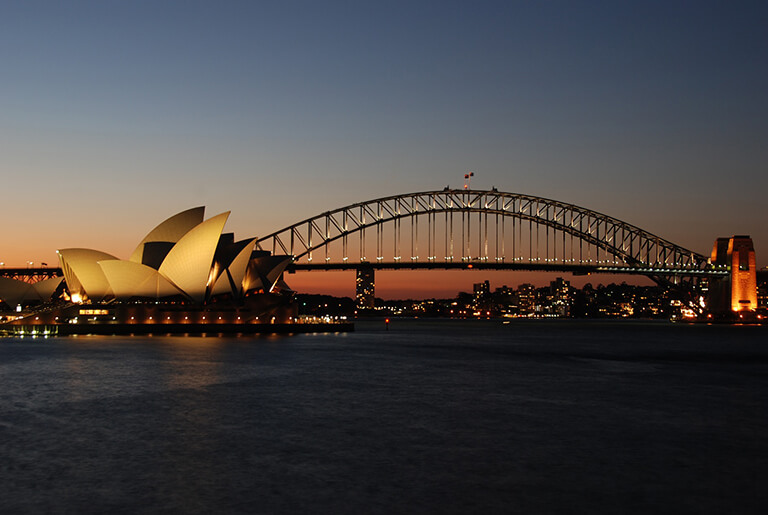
(430,416)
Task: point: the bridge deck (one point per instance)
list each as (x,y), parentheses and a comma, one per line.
(577,269)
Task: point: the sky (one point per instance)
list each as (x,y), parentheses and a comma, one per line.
(115,115)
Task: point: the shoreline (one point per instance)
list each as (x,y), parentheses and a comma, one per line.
(175,329)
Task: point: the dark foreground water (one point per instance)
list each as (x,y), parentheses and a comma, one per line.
(429,417)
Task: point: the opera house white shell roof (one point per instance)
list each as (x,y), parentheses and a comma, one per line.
(183,256)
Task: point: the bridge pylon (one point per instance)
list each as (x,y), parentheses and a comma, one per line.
(737,291)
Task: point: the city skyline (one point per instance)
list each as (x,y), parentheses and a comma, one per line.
(650,112)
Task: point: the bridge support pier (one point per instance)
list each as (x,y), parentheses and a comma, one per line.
(736,293)
(365,287)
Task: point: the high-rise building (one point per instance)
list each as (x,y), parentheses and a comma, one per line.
(526,298)
(560,289)
(762,288)
(365,288)
(481,290)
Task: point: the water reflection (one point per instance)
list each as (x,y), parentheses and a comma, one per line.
(430,416)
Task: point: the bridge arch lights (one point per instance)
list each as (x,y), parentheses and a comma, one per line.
(488,229)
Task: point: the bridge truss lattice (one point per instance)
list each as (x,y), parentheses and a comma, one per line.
(488,229)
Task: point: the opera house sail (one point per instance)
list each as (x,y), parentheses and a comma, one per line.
(186,270)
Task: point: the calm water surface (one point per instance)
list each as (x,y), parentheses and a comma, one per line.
(428,417)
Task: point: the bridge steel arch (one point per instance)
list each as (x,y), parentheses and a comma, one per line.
(633,249)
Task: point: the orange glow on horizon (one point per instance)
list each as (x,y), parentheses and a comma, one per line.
(445,284)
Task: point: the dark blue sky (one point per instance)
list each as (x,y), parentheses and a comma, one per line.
(652,112)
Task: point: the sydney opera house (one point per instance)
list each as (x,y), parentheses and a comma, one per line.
(186,271)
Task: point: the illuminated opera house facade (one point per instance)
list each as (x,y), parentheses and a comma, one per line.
(185,271)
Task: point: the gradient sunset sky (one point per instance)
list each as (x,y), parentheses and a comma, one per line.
(115,115)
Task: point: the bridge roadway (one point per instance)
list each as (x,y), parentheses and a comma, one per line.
(37,274)
(30,274)
(577,269)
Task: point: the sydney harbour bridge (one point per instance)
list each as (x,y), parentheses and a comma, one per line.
(472,229)
(477,229)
